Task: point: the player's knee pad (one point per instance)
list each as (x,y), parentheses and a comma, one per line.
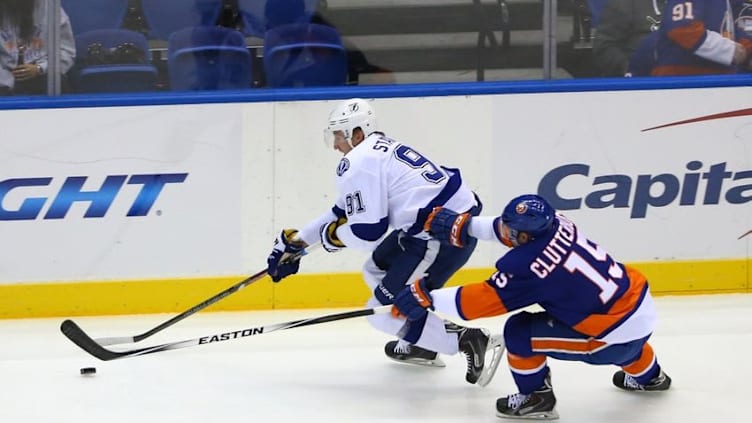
(517,334)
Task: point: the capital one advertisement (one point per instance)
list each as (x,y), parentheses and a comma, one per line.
(124,192)
(651,175)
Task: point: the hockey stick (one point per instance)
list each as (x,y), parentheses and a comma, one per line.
(73,332)
(198,307)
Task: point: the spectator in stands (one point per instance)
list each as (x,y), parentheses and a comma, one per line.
(282,12)
(700,37)
(357,62)
(23,50)
(744,18)
(622,46)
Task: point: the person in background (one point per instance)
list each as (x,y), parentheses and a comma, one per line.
(700,37)
(622,29)
(23,52)
(744,18)
(595,309)
(283,12)
(383,184)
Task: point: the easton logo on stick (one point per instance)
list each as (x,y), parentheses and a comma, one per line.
(230,335)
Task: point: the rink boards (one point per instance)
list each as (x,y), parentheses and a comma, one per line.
(139,209)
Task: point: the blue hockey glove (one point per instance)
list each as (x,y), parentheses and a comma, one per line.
(448,226)
(413,301)
(329,239)
(284,260)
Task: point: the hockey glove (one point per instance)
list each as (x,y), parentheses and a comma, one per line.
(329,239)
(413,301)
(448,226)
(284,260)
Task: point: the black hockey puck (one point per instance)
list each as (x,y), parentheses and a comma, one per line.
(88,370)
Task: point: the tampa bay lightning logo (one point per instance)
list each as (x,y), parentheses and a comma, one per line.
(344,164)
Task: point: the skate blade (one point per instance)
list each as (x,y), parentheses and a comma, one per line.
(436,362)
(496,345)
(547,415)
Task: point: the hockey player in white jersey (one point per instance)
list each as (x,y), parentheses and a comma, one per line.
(385,191)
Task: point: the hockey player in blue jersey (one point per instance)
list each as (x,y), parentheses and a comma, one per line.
(596,310)
(385,192)
(699,37)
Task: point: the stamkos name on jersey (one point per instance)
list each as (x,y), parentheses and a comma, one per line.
(230,335)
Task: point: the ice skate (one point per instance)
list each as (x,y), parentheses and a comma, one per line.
(536,406)
(474,343)
(404,352)
(626,382)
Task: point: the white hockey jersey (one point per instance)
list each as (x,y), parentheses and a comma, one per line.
(382,183)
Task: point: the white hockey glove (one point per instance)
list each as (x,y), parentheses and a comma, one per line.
(329,239)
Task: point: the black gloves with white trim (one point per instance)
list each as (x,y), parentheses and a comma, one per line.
(284,260)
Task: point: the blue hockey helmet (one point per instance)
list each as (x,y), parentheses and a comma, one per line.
(525,218)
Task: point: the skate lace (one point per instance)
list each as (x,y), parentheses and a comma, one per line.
(401,348)
(631,383)
(470,355)
(469,360)
(517,400)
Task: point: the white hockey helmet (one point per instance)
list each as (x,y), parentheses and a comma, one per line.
(348,115)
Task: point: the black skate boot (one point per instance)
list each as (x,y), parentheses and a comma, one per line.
(626,382)
(473,343)
(405,353)
(538,406)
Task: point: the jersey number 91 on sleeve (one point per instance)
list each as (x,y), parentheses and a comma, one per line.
(354,203)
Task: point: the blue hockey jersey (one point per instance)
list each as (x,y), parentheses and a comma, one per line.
(698,37)
(574,279)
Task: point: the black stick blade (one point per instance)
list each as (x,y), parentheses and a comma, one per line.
(72,331)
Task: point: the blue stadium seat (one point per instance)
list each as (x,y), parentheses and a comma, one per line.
(208,58)
(260,15)
(112,60)
(304,55)
(88,15)
(596,7)
(167,16)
